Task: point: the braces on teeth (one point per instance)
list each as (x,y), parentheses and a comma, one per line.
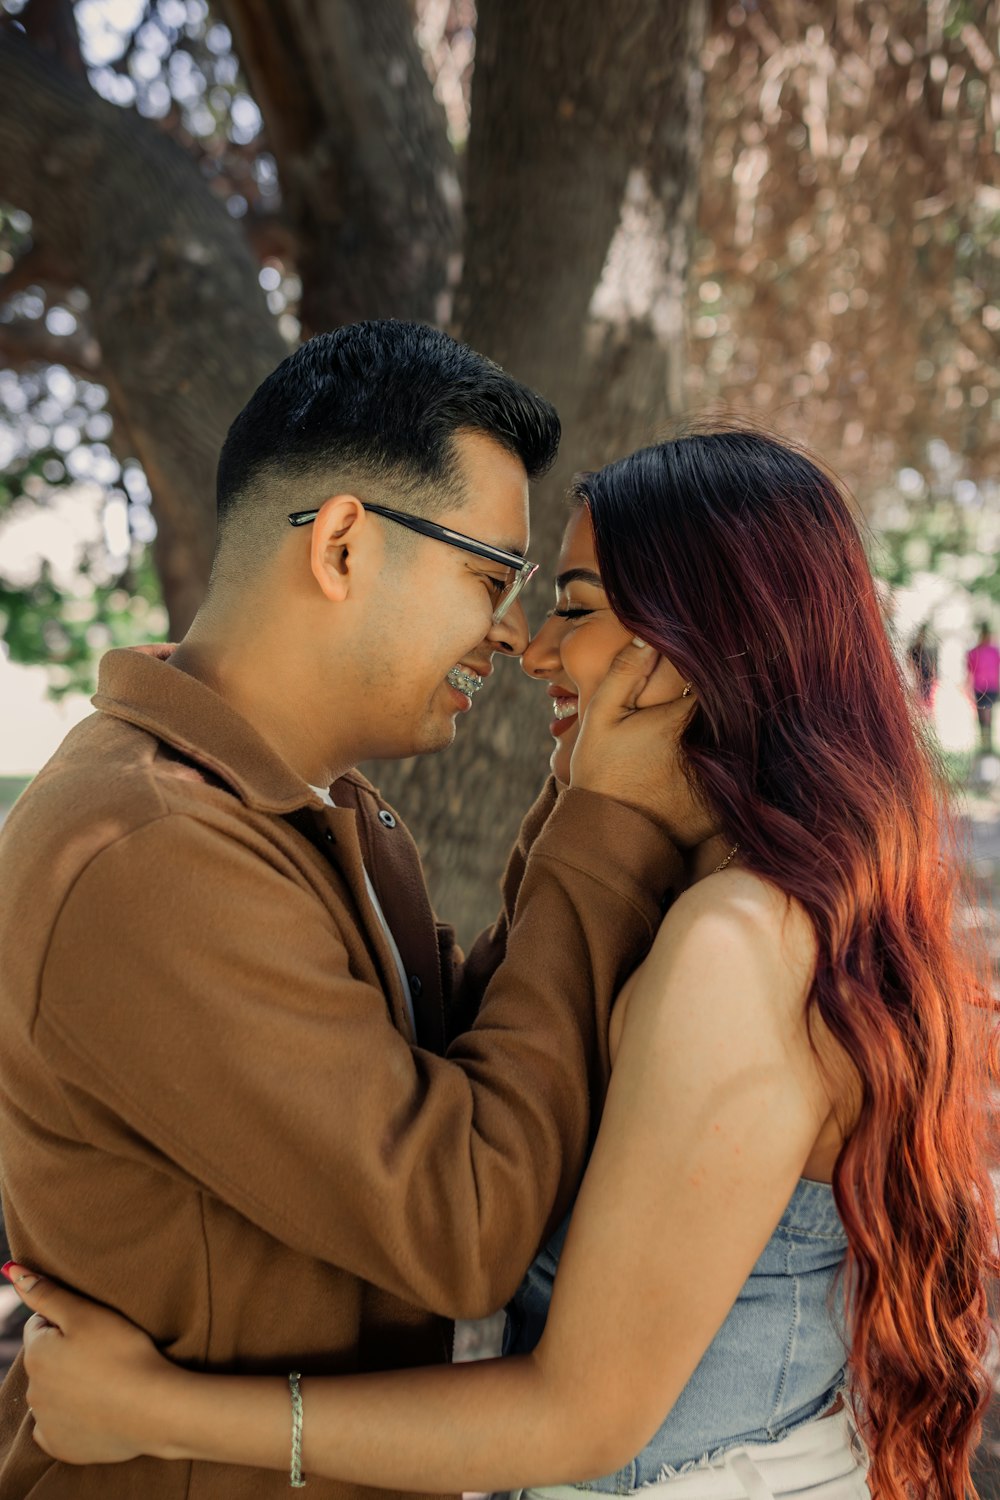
(566,709)
(465,681)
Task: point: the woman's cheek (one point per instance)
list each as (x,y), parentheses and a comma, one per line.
(587,655)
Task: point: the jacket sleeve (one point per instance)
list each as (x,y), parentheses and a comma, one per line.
(464,977)
(233,1042)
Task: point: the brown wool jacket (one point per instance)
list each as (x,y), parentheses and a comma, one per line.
(214,1116)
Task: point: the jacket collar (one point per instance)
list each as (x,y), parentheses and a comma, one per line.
(139,686)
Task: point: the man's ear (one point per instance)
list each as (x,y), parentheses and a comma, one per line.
(340,524)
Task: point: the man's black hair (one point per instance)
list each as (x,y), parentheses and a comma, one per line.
(383,400)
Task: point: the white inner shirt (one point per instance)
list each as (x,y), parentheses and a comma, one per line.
(324,796)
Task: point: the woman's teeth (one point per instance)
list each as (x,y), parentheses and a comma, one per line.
(465,681)
(565,708)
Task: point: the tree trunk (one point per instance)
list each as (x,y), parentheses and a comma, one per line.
(580,211)
(368,176)
(184,332)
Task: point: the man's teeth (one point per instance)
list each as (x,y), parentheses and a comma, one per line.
(565,708)
(465,681)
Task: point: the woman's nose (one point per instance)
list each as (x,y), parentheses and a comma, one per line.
(540,657)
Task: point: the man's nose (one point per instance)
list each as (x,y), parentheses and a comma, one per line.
(511,635)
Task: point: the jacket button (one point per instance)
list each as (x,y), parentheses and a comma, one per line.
(386,819)
(416,986)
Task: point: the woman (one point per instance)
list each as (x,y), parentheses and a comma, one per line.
(791,1145)
(923,663)
(983,667)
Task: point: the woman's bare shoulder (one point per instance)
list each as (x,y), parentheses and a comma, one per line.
(768,941)
(742,911)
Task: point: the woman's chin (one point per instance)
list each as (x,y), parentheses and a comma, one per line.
(562,754)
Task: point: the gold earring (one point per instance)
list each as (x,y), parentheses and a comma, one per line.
(687,690)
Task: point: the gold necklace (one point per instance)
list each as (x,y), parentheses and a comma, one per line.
(728,859)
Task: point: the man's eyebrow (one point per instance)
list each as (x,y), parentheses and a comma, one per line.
(579,575)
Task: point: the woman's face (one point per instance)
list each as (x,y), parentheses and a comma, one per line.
(580,639)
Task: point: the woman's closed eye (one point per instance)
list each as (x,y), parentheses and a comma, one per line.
(571,612)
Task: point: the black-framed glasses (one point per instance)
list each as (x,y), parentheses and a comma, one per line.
(518,567)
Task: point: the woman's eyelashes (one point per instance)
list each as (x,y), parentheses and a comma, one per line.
(571,612)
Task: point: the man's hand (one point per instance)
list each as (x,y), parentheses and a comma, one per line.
(92,1375)
(632,754)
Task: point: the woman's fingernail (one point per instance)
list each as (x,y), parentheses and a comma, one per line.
(636,641)
(21,1278)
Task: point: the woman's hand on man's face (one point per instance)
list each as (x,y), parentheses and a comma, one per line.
(91,1375)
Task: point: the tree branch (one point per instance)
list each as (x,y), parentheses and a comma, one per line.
(175,303)
(368,174)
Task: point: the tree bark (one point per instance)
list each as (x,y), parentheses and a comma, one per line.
(184,332)
(368,175)
(50,25)
(580,211)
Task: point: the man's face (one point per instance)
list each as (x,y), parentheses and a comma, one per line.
(433,607)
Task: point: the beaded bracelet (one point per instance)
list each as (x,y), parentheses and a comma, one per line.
(295,1472)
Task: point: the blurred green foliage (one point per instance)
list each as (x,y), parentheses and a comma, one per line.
(941,524)
(64,619)
(941,540)
(42,623)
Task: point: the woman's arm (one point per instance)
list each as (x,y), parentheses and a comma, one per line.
(715,1102)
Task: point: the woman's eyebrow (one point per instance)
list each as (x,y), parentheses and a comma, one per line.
(579,575)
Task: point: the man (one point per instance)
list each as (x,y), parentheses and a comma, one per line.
(225,997)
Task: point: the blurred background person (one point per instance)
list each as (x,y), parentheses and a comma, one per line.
(983,662)
(924,665)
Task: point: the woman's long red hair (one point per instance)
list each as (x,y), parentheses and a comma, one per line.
(737,556)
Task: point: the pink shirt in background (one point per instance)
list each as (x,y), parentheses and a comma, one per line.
(984,668)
